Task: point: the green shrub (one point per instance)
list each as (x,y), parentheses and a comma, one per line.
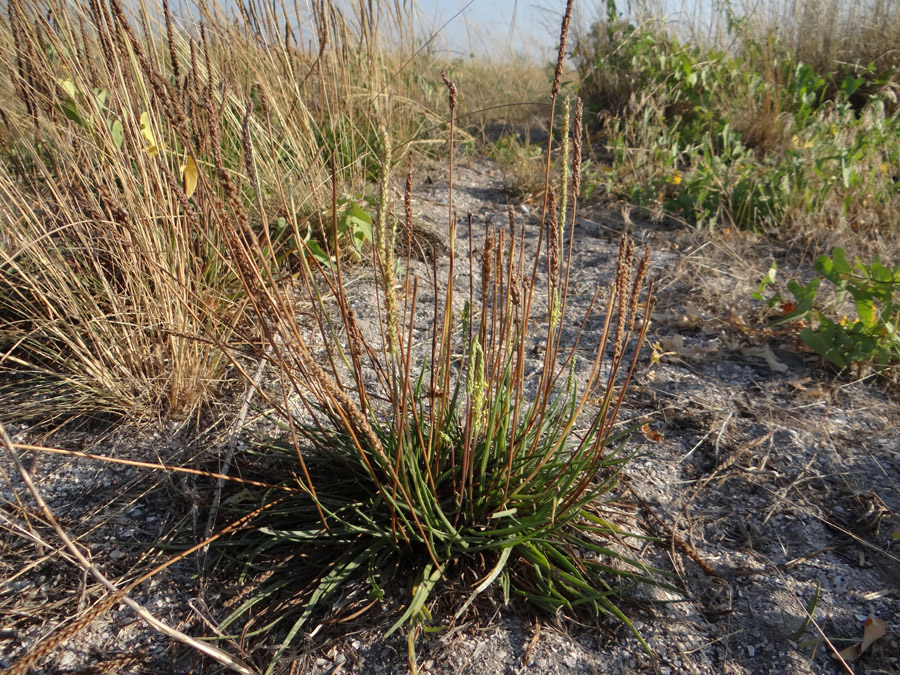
(751,138)
(873,337)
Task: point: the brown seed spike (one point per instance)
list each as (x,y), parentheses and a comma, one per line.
(451,87)
(561,56)
(636,288)
(176,71)
(514,283)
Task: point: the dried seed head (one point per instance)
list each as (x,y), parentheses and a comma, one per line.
(209,74)
(263,99)
(513,271)
(452,89)
(386,239)
(498,254)
(576,147)
(636,288)
(354,333)
(561,56)
(116,210)
(564,153)
(195,85)
(487,262)
(176,71)
(49,645)
(622,284)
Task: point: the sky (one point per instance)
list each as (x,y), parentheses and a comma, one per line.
(494,26)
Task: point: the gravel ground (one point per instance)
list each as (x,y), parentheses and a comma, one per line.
(769,480)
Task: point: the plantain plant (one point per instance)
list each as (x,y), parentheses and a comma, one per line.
(425,459)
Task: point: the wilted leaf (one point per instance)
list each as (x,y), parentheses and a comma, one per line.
(651,434)
(190,174)
(788,307)
(675,345)
(874,629)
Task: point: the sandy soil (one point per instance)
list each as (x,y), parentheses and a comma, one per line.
(769,480)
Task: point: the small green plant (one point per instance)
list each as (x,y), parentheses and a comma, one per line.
(322,238)
(873,337)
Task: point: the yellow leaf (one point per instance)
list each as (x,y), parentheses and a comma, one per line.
(190,174)
(69,87)
(147,132)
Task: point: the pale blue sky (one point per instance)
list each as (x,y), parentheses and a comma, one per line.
(494,26)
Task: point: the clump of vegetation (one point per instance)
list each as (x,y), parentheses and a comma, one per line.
(522,164)
(873,290)
(421,459)
(118,290)
(750,137)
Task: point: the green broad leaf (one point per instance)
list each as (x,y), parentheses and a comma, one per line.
(318,253)
(840,261)
(71,113)
(880,273)
(767,280)
(357,214)
(100,97)
(823,347)
(861,348)
(865,307)
(805,297)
